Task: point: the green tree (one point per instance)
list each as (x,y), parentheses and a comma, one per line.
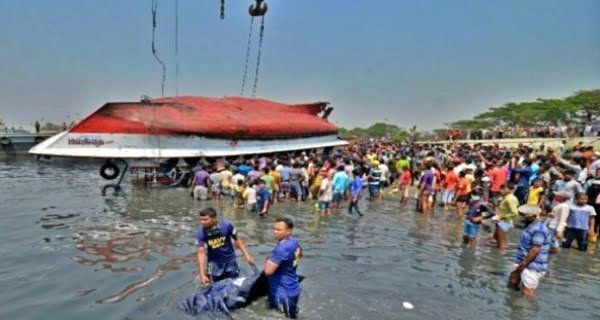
(587,103)
(377,130)
(381,130)
(507,114)
(541,111)
(474,124)
(551,111)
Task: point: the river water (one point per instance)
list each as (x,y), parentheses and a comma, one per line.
(70,253)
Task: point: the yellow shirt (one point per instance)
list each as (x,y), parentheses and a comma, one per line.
(238,195)
(317,181)
(471,179)
(534,195)
(276,179)
(509,208)
(371,157)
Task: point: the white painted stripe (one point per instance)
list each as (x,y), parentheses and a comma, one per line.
(128,146)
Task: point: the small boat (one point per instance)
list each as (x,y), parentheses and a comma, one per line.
(17,142)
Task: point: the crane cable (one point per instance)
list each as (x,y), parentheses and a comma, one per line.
(164,68)
(247,57)
(177,47)
(260,42)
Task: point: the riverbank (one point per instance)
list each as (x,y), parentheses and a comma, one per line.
(534,142)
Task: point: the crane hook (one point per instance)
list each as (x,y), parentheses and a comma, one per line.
(258,9)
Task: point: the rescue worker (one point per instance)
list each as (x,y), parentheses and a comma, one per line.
(280,267)
(216,255)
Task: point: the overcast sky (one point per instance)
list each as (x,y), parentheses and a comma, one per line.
(419,62)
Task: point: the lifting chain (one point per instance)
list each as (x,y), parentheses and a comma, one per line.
(260,42)
(247,57)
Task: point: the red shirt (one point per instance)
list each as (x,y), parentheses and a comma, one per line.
(463,187)
(405,179)
(498,179)
(451,180)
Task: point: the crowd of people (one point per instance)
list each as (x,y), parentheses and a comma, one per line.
(553,194)
(502,132)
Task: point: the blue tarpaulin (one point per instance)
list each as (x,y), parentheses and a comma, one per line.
(226,295)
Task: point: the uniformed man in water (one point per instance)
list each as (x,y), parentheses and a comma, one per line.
(280,267)
(216,255)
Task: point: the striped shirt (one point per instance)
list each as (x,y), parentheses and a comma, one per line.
(375,176)
(537,233)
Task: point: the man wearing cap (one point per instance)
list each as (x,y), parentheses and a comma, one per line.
(216,255)
(532,253)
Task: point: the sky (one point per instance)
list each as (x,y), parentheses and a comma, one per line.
(422,62)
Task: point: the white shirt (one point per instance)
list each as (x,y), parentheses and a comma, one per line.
(459,168)
(385,171)
(560,213)
(235,178)
(249,195)
(327,191)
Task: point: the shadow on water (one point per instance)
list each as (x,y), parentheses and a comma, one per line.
(133,256)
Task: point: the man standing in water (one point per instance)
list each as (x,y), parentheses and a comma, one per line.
(356,190)
(532,253)
(216,255)
(280,267)
(477,211)
(507,211)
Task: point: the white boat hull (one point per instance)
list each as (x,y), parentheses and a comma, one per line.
(144,146)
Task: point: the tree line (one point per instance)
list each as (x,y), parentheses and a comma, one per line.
(580,108)
(377,130)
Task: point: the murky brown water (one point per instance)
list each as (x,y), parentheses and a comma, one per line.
(70,253)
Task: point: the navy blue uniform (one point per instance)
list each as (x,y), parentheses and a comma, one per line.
(284,287)
(219,248)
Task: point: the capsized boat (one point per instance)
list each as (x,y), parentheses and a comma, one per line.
(161,132)
(188,126)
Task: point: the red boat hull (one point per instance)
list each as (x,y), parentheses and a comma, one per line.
(231,118)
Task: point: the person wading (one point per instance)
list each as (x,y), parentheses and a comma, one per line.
(280,267)
(532,253)
(507,211)
(216,255)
